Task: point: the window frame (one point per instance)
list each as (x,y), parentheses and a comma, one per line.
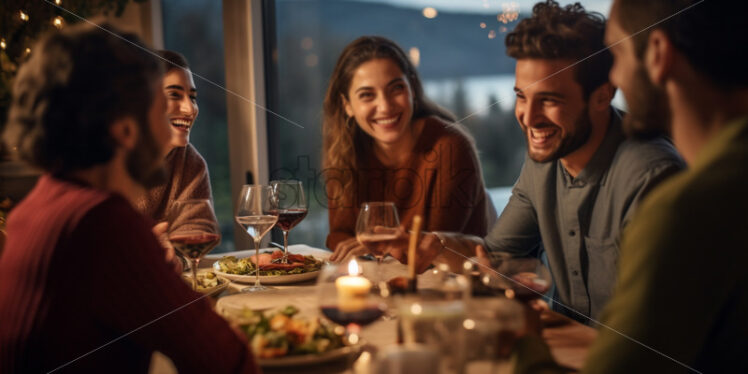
(245,98)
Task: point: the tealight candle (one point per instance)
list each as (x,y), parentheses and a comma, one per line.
(353,289)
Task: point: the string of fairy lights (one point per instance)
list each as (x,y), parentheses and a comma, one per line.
(23,15)
(29,18)
(22,22)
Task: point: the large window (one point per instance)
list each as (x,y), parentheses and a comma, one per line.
(458,47)
(194,28)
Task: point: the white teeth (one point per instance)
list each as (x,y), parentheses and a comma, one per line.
(181,123)
(387,121)
(540,134)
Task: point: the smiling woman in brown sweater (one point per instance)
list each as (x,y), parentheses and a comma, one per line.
(385,141)
(187,172)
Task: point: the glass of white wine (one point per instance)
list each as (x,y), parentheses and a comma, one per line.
(257,213)
(376,227)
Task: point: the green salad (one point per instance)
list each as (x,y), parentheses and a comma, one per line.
(282,333)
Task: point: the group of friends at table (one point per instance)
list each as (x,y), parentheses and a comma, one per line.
(641,214)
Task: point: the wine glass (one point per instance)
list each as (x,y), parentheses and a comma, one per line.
(292,208)
(346,298)
(376,227)
(257,213)
(521,278)
(192,230)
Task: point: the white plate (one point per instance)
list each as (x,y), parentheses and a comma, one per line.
(268,279)
(271,279)
(311,359)
(304,298)
(223,283)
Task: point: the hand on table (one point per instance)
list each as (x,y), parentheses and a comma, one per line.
(484,262)
(429,247)
(532,308)
(346,248)
(159,230)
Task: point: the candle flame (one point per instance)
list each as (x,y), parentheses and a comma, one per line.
(353,268)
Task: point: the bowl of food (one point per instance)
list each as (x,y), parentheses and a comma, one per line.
(208,282)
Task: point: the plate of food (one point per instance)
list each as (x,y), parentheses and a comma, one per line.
(283,338)
(298,269)
(208,282)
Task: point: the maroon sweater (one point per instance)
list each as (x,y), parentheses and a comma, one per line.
(83,279)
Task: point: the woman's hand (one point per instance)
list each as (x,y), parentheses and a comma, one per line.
(346,248)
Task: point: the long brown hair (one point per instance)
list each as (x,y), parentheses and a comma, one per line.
(344,144)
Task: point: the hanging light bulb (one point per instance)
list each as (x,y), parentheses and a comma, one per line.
(58,2)
(2,44)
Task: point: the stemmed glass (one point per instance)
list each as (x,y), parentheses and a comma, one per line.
(521,278)
(377,225)
(292,208)
(192,230)
(345,298)
(257,213)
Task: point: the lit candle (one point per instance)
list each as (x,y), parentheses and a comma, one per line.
(353,289)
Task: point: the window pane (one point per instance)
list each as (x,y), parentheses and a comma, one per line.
(195,29)
(460,56)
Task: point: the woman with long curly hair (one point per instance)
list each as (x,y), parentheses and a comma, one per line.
(385,141)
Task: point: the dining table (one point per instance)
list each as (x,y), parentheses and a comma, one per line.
(568,340)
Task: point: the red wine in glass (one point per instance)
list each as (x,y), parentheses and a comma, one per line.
(194,245)
(188,237)
(289,218)
(360,317)
(291,208)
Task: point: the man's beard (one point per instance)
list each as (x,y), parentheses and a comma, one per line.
(569,143)
(145,161)
(648,111)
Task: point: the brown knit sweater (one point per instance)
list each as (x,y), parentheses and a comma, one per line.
(187,178)
(441,182)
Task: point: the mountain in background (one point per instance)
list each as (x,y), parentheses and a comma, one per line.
(451,45)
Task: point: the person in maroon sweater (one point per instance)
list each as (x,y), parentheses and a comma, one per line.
(84,286)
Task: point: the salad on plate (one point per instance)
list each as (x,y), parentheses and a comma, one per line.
(269,264)
(284,333)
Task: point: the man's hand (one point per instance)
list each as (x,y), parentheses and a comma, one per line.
(429,248)
(532,308)
(346,248)
(484,262)
(159,230)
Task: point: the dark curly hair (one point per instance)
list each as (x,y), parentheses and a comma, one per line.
(570,32)
(708,33)
(75,85)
